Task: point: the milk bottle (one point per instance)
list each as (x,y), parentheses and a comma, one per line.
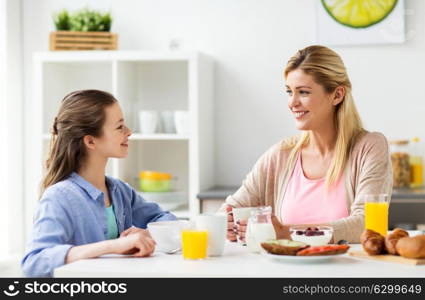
(260,228)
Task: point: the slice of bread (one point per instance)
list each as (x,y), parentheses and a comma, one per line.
(283,247)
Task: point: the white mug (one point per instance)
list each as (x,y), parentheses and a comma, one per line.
(181,121)
(148,121)
(216,225)
(241,214)
(167,234)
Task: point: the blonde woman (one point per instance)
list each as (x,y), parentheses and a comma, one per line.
(318,177)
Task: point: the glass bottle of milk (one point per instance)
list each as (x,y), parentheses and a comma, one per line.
(260,228)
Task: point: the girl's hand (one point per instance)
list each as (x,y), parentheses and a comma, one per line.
(139,243)
(231,235)
(131,230)
(282,231)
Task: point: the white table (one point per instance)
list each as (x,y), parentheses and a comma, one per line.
(236,262)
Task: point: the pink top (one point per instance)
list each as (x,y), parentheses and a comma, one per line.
(307,201)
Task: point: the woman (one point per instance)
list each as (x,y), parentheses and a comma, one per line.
(320,176)
(82,211)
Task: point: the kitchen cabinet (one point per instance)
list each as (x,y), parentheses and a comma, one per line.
(140,80)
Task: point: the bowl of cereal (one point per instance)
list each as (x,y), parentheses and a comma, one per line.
(313,235)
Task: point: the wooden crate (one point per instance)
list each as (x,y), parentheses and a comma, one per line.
(78,40)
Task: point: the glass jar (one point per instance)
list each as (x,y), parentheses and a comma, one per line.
(260,228)
(400,159)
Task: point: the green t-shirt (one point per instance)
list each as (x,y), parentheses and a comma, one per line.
(111,222)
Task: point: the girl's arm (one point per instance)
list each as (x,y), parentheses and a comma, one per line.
(139,243)
(144,212)
(51,244)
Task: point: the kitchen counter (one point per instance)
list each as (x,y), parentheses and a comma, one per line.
(236,261)
(217,192)
(406,194)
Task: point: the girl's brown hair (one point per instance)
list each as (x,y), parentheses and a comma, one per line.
(81,113)
(327,69)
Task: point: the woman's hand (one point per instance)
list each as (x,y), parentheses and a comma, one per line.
(282,231)
(138,243)
(237,231)
(231,235)
(241,229)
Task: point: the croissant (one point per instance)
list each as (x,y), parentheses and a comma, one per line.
(373,243)
(392,239)
(412,247)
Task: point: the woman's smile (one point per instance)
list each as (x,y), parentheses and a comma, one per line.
(299,114)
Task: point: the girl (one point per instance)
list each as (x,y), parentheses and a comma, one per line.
(82,212)
(318,177)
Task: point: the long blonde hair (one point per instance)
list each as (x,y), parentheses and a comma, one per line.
(327,69)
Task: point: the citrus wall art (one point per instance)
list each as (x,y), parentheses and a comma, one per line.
(360,22)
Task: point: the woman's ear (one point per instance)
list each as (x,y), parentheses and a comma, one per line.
(89,142)
(339,95)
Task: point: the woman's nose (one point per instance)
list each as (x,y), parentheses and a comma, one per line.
(129,132)
(293,101)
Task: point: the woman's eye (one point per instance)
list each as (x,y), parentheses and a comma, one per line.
(288,92)
(304,92)
(120,127)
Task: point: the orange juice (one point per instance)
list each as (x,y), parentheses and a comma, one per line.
(194,244)
(376,217)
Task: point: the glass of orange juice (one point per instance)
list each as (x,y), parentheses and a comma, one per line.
(376,213)
(194,243)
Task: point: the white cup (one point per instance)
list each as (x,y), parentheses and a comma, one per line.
(216,225)
(148,121)
(167,234)
(242,214)
(167,122)
(181,121)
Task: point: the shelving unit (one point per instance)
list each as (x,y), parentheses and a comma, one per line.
(167,81)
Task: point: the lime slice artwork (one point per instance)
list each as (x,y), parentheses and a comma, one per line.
(359,13)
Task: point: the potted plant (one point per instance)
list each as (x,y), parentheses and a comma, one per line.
(83,30)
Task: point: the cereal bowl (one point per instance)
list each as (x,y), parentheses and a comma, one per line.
(313,235)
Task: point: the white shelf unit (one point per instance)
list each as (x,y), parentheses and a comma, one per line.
(140,80)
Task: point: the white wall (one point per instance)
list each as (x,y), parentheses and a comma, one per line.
(4,226)
(11,153)
(251,41)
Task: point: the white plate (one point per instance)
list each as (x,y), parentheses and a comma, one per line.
(299,259)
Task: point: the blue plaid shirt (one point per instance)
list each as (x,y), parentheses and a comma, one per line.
(72,213)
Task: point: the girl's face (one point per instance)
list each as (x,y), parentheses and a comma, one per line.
(308,101)
(114,139)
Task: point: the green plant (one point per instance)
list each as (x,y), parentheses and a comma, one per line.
(83,20)
(61,20)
